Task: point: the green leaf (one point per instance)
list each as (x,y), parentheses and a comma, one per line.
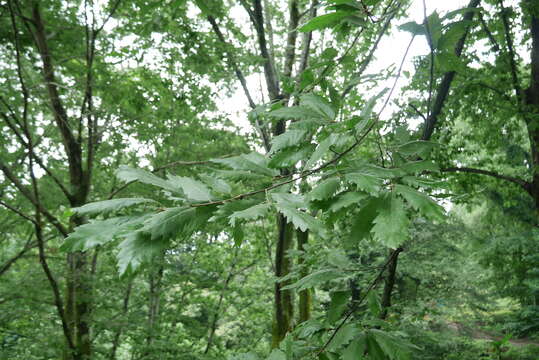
(356,349)
(252,162)
(325,189)
(415,167)
(324,21)
(366,112)
(106,206)
(347,199)
(290,156)
(413,27)
(193,189)
(421,202)
(339,302)
(321,150)
(216,184)
(344,335)
(137,248)
(178,221)
(391,224)
(393,347)
(366,182)
(374,304)
(364,220)
(314,279)
(297,113)
(129,174)
(319,105)
(100,232)
(250,214)
(300,219)
(418,147)
(287,139)
(277,354)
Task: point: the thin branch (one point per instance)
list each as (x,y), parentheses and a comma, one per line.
(522,183)
(239,74)
(359,302)
(28,194)
(272,82)
(511,51)
(365,63)
(487,31)
(445,84)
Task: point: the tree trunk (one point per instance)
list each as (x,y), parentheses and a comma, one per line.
(284,311)
(389,281)
(305,299)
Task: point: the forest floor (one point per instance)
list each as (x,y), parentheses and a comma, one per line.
(480,334)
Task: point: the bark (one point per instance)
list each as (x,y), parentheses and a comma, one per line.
(154,302)
(390,281)
(284,312)
(118,334)
(305,299)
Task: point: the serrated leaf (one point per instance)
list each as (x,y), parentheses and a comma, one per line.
(415,167)
(296,112)
(129,174)
(316,278)
(366,113)
(325,189)
(421,202)
(337,305)
(179,221)
(252,162)
(99,232)
(394,348)
(364,220)
(228,208)
(418,182)
(216,184)
(324,21)
(321,150)
(300,219)
(319,105)
(343,336)
(106,206)
(413,27)
(391,226)
(290,156)
(347,199)
(250,214)
(137,248)
(418,147)
(277,354)
(193,189)
(368,183)
(374,304)
(287,139)
(356,349)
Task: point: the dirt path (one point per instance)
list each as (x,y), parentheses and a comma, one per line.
(479,334)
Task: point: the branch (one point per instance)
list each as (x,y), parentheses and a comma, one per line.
(522,183)
(365,63)
(290,52)
(445,85)
(272,82)
(511,51)
(27,194)
(72,146)
(239,74)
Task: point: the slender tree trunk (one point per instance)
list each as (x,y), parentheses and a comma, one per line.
(118,334)
(305,297)
(284,310)
(389,281)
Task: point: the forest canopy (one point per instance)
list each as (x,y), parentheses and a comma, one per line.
(281,180)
